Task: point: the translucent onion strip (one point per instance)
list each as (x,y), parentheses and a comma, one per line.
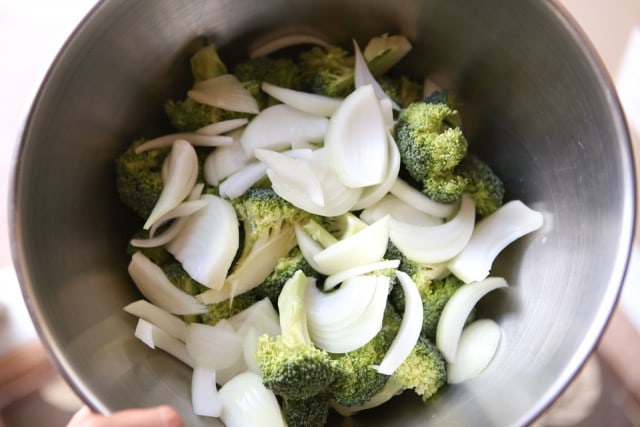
(225,161)
(478,345)
(385,51)
(246,402)
(363,77)
(364,247)
(410,327)
(361,311)
(308,246)
(456,311)
(193,138)
(204,394)
(491,235)
(239,182)
(335,279)
(356,139)
(208,242)
(172,325)
(279,126)
(222,126)
(273,43)
(399,210)
(213,347)
(405,192)
(318,105)
(156,287)
(225,92)
(182,173)
(156,338)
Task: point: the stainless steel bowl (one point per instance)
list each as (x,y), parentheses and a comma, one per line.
(536,104)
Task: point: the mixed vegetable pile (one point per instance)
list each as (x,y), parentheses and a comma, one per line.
(315,234)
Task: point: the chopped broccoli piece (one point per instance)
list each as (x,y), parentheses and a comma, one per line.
(139,178)
(206,64)
(283,271)
(278,71)
(431,145)
(181,279)
(328,71)
(310,412)
(402,90)
(290,365)
(423,371)
(357,381)
(486,189)
(225,309)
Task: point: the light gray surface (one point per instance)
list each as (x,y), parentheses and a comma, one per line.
(536,107)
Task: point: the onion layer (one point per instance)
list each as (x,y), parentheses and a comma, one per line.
(478,344)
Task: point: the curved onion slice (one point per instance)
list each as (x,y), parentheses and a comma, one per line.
(478,344)
(359,322)
(311,103)
(400,210)
(222,126)
(278,126)
(156,287)
(335,279)
(191,137)
(356,139)
(246,402)
(308,246)
(385,51)
(410,327)
(364,247)
(363,77)
(438,243)
(155,337)
(182,173)
(225,161)
(236,184)
(208,242)
(283,38)
(213,347)
(491,235)
(456,311)
(371,195)
(225,92)
(172,325)
(420,201)
(204,394)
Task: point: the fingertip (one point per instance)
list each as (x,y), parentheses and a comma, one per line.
(169,416)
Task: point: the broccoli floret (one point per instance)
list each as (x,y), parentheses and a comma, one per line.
(431,145)
(181,279)
(278,71)
(402,90)
(139,178)
(206,64)
(486,189)
(283,271)
(290,365)
(423,371)
(328,71)
(357,381)
(310,412)
(225,309)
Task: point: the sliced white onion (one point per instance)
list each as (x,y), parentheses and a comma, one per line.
(373,194)
(225,161)
(225,92)
(393,48)
(225,375)
(181,177)
(492,234)
(204,394)
(283,38)
(364,247)
(363,77)
(356,139)
(193,138)
(478,344)
(250,347)
(213,347)
(410,327)
(311,103)
(335,279)
(221,127)
(207,244)
(386,106)
(184,209)
(308,246)
(156,287)
(403,191)
(345,304)
(438,243)
(246,402)
(456,311)
(276,127)
(358,327)
(166,321)
(260,315)
(156,338)
(236,184)
(400,210)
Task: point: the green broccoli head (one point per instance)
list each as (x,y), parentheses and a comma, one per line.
(358,381)
(181,279)
(188,115)
(226,309)
(309,412)
(285,269)
(431,145)
(327,71)
(423,371)
(402,90)
(139,178)
(278,71)
(290,365)
(486,189)
(206,64)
